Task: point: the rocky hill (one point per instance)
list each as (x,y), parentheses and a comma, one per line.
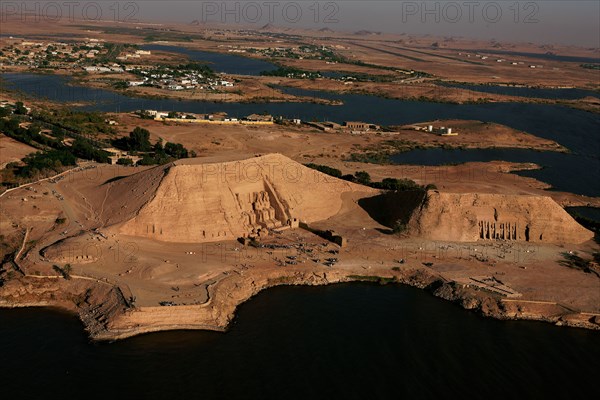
(469,217)
(194,202)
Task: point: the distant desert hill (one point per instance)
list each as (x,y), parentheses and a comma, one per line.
(267,27)
(470,217)
(367,33)
(193,202)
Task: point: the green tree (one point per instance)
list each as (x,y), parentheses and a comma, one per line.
(139,139)
(12,124)
(158,146)
(58,132)
(34,130)
(336,173)
(176,150)
(125,161)
(363,177)
(20,108)
(67,269)
(120,85)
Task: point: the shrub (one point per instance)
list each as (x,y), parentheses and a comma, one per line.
(176,150)
(65,272)
(363,177)
(52,160)
(336,173)
(400,227)
(20,108)
(125,161)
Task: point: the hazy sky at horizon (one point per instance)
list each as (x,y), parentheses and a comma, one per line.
(563,22)
(545,22)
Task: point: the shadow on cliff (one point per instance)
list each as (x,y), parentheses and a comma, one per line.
(393,209)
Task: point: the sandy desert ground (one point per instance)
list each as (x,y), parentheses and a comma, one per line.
(12,151)
(180,246)
(124,246)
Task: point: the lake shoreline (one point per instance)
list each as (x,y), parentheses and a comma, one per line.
(113,319)
(238,96)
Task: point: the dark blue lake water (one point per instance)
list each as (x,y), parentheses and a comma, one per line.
(567,172)
(350,341)
(577,130)
(219,62)
(347,341)
(591,213)
(555,94)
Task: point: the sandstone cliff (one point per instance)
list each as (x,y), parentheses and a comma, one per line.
(470,217)
(192,202)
